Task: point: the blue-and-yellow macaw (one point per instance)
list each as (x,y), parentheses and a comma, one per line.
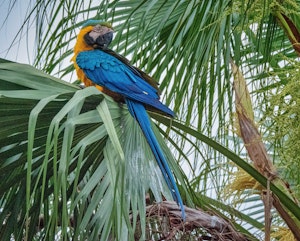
(112,74)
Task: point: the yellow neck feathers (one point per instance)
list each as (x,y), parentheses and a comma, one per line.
(80,43)
(79,47)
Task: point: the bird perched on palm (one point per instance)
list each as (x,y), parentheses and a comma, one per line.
(111,73)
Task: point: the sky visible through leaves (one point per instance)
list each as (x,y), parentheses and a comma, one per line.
(14,45)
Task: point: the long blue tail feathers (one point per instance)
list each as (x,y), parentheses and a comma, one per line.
(138,111)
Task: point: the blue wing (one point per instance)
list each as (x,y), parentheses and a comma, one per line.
(109,72)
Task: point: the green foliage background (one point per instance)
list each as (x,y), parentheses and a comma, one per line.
(56,136)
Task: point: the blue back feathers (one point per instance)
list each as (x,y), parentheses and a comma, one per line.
(107,71)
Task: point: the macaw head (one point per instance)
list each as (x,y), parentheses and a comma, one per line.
(97,33)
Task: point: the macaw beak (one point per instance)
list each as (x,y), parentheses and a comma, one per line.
(99,37)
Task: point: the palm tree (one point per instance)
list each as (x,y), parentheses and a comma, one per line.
(74,165)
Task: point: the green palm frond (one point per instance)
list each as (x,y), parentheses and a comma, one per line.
(74,153)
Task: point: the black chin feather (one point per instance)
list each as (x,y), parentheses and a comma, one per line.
(105,40)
